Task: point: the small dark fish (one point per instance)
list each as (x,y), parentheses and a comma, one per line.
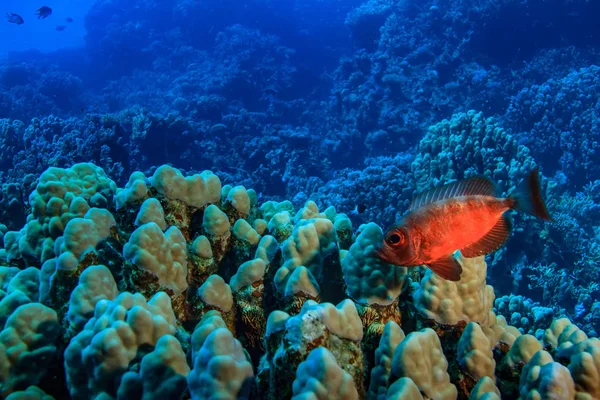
(14,18)
(465,216)
(44,12)
(69,20)
(61,28)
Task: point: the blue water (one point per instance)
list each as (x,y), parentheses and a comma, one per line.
(344,102)
(41,34)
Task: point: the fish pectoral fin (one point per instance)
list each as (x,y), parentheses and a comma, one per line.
(492,240)
(447,267)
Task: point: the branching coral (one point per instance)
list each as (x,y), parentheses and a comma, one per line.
(560,117)
(467,145)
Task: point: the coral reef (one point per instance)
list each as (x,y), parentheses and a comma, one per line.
(248,97)
(198,290)
(130,279)
(558,122)
(32,88)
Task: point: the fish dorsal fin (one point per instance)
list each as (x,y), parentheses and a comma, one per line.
(477,185)
(447,267)
(492,240)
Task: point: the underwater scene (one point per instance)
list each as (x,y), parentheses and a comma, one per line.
(300,199)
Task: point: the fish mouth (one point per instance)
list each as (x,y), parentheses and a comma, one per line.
(391,258)
(382,255)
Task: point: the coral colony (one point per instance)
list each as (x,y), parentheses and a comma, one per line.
(180,286)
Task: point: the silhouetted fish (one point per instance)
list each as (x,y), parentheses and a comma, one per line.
(69,20)
(14,18)
(465,216)
(44,12)
(61,28)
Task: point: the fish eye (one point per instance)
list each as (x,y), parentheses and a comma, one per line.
(395,238)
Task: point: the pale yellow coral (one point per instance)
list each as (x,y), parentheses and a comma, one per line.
(420,357)
(447,302)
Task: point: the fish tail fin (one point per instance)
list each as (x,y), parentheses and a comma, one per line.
(527,197)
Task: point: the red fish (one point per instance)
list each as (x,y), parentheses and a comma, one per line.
(465,216)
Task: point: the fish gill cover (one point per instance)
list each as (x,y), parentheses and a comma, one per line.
(194,194)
